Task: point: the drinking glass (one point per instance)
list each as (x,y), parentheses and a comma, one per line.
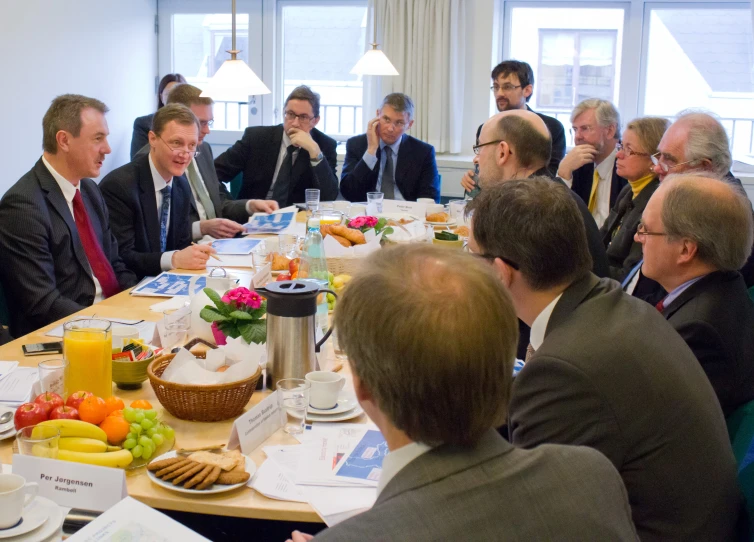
(288,243)
(376,198)
(312,199)
(88,349)
(342,206)
(340,354)
(357,210)
(326,206)
(293,399)
(39,441)
(177,322)
(259,256)
(52,376)
(456,210)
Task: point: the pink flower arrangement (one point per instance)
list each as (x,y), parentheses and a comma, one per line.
(238,313)
(363,222)
(241,297)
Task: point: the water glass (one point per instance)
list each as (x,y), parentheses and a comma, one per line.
(288,243)
(39,441)
(340,354)
(312,199)
(342,206)
(52,376)
(177,323)
(376,198)
(457,208)
(293,399)
(259,256)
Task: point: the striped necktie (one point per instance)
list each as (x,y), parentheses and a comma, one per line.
(200,190)
(164,214)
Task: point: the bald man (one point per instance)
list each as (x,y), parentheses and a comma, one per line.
(696,233)
(514,145)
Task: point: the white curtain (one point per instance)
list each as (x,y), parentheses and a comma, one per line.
(424,41)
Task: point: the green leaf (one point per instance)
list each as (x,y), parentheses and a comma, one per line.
(387,231)
(223,307)
(241,315)
(209,314)
(256,314)
(254,331)
(230,329)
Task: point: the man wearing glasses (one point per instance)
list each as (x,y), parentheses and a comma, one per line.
(281,162)
(388,160)
(149,199)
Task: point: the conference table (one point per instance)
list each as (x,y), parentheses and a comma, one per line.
(244,502)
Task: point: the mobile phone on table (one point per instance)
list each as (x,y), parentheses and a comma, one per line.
(41,349)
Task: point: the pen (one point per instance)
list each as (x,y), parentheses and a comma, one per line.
(215,256)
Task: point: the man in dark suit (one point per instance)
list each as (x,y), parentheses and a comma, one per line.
(449,475)
(606,370)
(149,199)
(513,85)
(281,162)
(589,168)
(696,232)
(387,160)
(59,253)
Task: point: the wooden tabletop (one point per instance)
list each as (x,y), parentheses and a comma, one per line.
(244,502)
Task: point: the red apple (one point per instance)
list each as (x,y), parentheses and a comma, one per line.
(49,401)
(29,414)
(75,399)
(64,412)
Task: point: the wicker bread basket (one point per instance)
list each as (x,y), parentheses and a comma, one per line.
(209,403)
(349,266)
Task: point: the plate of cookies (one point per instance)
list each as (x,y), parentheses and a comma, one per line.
(201,472)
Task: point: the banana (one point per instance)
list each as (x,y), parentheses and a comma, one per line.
(118,460)
(77,428)
(80,444)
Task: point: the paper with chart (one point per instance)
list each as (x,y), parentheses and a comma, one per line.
(235,246)
(364,463)
(168,285)
(272,223)
(16,387)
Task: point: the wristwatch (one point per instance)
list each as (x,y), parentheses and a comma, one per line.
(317,159)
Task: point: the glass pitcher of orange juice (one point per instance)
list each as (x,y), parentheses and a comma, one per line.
(87,346)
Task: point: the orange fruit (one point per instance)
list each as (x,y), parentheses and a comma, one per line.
(141,403)
(116,414)
(116,429)
(93,410)
(114,403)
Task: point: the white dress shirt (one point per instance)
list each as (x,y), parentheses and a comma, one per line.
(605,170)
(69,192)
(539,326)
(396,460)
(166,260)
(371,160)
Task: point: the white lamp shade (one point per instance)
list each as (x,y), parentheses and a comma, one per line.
(374,62)
(234,82)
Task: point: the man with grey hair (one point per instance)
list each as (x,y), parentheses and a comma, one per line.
(696,232)
(437,387)
(388,160)
(589,168)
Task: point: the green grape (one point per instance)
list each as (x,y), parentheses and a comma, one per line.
(330,298)
(139,416)
(151,446)
(168,432)
(136,451)
(128,414)
(152,431)
(150,414)
(145,440)
(147,424)
(158,439)
(147,453)
(129,443)
(136,428)
(132,436)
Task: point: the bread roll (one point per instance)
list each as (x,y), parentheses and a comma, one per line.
(437,217)
(355,236)
(342,240)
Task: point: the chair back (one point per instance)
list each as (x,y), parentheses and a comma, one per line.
(741,431)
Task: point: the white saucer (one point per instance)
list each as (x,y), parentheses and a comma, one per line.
(48,529)
(34,515)
(357,411)
(346,402)
(8,434)
(7,426)
(448,223)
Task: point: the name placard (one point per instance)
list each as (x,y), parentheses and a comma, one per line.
(418,210)
(262,277)
(76,485)
(252,428)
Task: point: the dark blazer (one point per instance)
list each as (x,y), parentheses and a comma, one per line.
(46,274)
(557,135)
(583,178)
(623,253)
(748,269)
(140,137)
(493,491)
(129,193)
(256,155)
(631,388)
(224,204)
(415,172)
(715,316)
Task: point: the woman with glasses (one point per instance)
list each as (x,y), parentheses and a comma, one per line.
(633,162)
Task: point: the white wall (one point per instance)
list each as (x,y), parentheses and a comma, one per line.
(106,49)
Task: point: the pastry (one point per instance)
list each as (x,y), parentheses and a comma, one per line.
(355,236)
(342,240)
(279,262)
(437,217)
(462,231)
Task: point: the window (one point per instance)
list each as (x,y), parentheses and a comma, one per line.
(701,56)
(319,44)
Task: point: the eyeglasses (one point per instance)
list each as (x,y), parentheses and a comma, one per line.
(477,148)
(305,119)
(621,147)
(178,151)
(505,88)
(659,160)
(398,124)
(581,129)
(206,123)
(641,229)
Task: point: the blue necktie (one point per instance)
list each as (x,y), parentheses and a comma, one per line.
(631,274)
(164,214)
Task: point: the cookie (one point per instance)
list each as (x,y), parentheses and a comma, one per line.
(158,465)
(162,472)
(199,478)
(193,471)
(232,478)
(178,472)
(211,479)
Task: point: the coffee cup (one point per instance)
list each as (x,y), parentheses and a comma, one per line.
(435,208)
(325,387)
(15,494)
(428,201)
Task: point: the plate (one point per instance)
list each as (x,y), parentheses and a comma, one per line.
(357,411)
(7,426)
(8,434)
(33,516)
(251,468)
(448,223)
(346,403)
(49,528)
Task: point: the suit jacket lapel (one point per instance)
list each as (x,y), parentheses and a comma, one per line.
(58,202)
(270,160)
(572,297)
(692,291)
(148,202)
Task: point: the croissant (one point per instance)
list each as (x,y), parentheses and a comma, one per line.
(342,240)
(355,236)
(437,217)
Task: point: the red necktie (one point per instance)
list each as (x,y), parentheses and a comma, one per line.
(660,305)
(100,264)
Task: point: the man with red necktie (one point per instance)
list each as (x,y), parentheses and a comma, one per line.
(60,255)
